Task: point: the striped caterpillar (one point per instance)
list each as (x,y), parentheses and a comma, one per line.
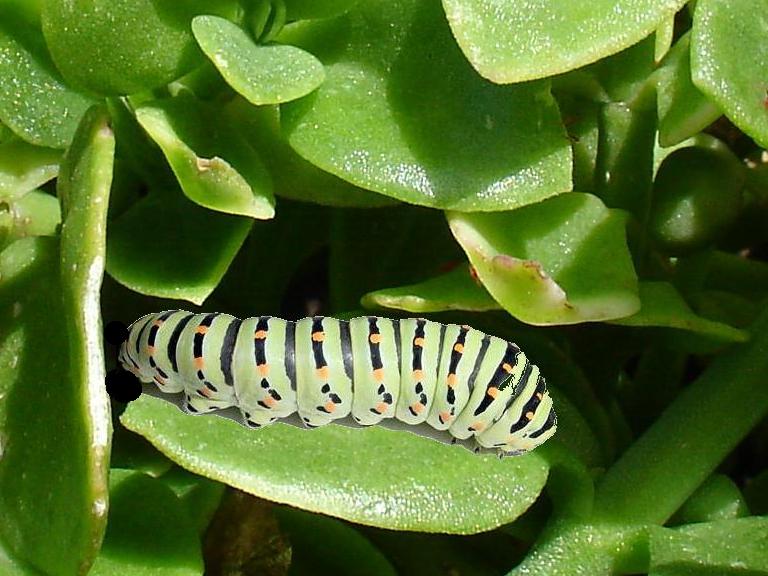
(448,382)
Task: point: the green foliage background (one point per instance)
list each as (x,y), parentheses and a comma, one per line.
(588,180)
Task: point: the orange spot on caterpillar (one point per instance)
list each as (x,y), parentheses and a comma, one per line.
(378,374)
(158,323)
(322,373)
(201,329)
(150,350)
(493,392)
(375,338)
(330,406)
(539,395)
(529,415)
(381,407)
(418,375)
(459,347)
(205,392)
(263,369)
(318,336)
(418,407)
(478,426)
(199,362)
(260,335)
(269,401)
(445,417)
(451,380)
(507,368)
(418,342)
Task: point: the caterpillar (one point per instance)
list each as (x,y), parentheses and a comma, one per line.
(445,381)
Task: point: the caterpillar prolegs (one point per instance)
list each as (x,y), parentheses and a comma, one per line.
(443,381)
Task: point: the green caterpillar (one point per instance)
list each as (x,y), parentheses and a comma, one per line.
(432,377)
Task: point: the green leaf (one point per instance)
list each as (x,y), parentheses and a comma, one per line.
(454,290)
(403,114)
(215,166)
(293,176)
(322,545)
(306,9)
(729,60)
(624,163)
(681,449)
(662,305)
(521,40)
(597,550)
(683,110)
(200,496)
(567,261)
(697,196)
(51,363)
(24,167)
(34,101)
(12,567)
(34,214)
(186,254)
(336,470)
(261,74)
(726,547)
(102,45)
(149,531)
(717,499)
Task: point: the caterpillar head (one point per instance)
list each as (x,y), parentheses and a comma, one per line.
(122,383)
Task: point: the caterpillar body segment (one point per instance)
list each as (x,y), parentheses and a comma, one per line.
(437,380)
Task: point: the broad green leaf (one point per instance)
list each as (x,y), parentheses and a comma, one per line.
(261,74)
(567,261)
(683,110)
(12,567)
(24,167)
(625,77)
(624,163)
(34,214)
(336,470)
(322,545)
(594,549)
(215,166)
(149,531)
(51,362)
(454,290)
(662,305)
(726,547)
(402,113)
(522,40)
(665,35)
(103,45)
(717,499)
(169,247)
(293,176)
(581,118)
(729,60)
(307,9)
(681,449)
(34,101)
